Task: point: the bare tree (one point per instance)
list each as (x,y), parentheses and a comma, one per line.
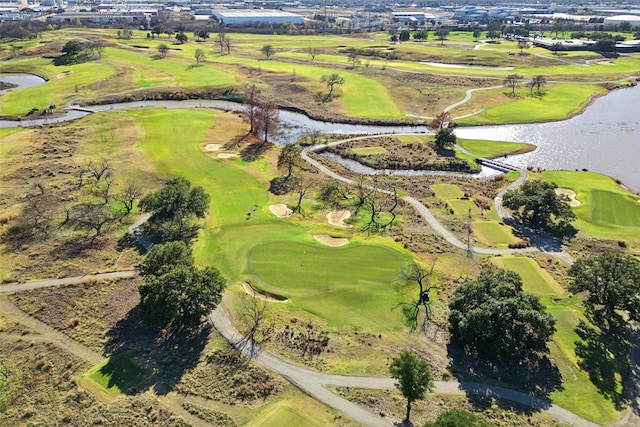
(268,50)
(537,82)
(163,49)
(227,45)
(353,58)
(511,81)
(91,217)
(266,119)
(98,169)
(253,313)
(221,40)
(411,310)
(200,56)
(380,201)
(302,183)
(289,159)
(128,196)
(251,100)
(331,80)
(313,52)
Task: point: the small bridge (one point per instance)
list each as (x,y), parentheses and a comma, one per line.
(493,164)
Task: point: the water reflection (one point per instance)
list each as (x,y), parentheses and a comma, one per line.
(605,139)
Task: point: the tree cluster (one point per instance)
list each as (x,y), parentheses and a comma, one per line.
(175,292)
(263,114)
(493,318)
(77,51)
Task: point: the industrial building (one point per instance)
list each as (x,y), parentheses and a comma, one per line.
(634,20)
(252,16)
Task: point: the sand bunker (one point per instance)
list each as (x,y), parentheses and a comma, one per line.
(227,155)
(212,147)
(63,75)
(280,210)
(570,194)
(256,293)
(338,217)
(331,241)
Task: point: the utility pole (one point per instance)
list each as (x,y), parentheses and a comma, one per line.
(469,233)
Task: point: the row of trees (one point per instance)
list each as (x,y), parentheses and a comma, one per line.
(263,114)
(175,292)
(514,80)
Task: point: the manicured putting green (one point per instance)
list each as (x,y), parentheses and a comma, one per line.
(614,208)
(447,191)
(115,374)
(535,280)
(492,233)
(300,267)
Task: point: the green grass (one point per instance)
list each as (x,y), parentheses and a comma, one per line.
(489,149)
(606,210)
(608,207)
(492,234)
(535,280)
(115,374)
(343,286)
(369,151)
(579,394)
(447,191)
(462,207)
(281,414)
(561,100)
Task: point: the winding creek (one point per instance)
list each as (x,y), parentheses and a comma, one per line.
(605,138)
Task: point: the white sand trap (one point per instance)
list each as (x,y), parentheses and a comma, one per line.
(227,155)
(212,147)
(331,241)
(256,293)
(338,217)
(280,210)
(570,194)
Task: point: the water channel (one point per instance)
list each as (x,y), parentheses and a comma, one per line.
(605,138)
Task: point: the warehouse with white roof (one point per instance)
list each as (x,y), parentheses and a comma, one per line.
(634,20)
(250,16)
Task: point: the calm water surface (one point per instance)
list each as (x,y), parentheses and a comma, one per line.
(605,138)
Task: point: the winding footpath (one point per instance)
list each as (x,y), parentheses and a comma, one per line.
(310,381)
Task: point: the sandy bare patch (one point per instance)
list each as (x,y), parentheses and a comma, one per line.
(227,155)
(280,210)
(338,217)
(570,194)
(212,147)
(256,293)
(605,63)
(331,241)
(63,75)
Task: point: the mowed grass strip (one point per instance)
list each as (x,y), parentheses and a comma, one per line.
(369,151)
(491,233)
(535,280)
(284,415)
(112,377)
(490,149)
(447,191)
(463,206)
(578,393)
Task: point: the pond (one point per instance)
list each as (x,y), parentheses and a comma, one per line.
(605,138)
